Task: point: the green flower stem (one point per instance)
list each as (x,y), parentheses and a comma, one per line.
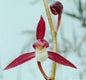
(54,38)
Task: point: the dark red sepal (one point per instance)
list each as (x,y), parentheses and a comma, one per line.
(20,60)
(59,59)
(40,32)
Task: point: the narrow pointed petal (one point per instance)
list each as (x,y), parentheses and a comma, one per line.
(59,59)
(40,33)
(20,60)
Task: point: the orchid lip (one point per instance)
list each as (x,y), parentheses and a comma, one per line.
(41,55)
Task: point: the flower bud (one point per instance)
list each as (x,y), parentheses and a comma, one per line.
(56,8)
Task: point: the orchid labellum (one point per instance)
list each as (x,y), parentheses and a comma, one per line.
(40,53)
(57,9)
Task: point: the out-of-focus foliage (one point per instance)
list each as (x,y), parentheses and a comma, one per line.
(81,9)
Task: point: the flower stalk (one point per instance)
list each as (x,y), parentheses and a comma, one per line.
(54,38)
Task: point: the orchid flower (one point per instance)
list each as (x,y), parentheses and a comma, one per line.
(57,9)
(40,53)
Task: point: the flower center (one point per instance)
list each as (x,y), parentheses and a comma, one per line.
(40,47)
(40,44)
(41,54)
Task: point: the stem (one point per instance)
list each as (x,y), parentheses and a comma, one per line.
(42,71)
(54,38)
(58,23)
(54,64)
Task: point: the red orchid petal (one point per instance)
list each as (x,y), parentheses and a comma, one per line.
(59,59)
(40,33)
(20,60)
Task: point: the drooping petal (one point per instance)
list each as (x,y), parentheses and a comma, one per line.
(59,59)
(57,9)
(40,32)
(20,60)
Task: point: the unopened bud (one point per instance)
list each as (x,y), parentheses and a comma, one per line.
(56,8)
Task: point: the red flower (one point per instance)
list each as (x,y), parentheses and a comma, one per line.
(40,52)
